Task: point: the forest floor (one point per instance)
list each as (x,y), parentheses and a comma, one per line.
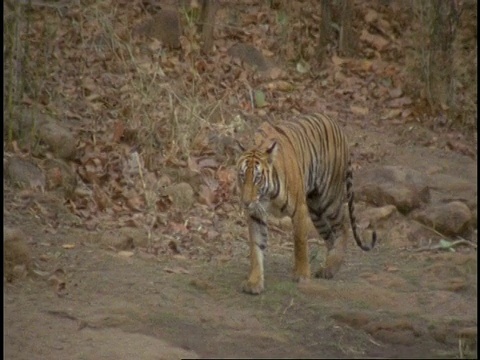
(101,286)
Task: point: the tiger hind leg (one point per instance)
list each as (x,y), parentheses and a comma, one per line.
(334,232)
(336,249)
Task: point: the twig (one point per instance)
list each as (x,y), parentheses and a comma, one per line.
(442,246)
(429,228)
(289,306)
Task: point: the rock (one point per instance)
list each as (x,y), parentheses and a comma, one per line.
(376,215)
(25,125)
(447,188)
(58,138)
(32,124)
(249,54)
(59,175)
(451,219)
(124,239)
(25,174)
(17,260)
(164,26)
(452,184)
(402,187)
(182,195)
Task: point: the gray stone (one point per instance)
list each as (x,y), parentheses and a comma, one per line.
(402,187)
(25,174)
(164,26)
(58,138)
(249,54)
(451,219)
(181,194)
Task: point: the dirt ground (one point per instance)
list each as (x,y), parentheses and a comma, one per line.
(393,302)
(93,284)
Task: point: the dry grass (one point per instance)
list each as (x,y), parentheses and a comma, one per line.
(163,115)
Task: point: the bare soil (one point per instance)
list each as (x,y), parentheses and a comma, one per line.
(92,285)
(393,302)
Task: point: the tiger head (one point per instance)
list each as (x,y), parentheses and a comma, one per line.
(254,170)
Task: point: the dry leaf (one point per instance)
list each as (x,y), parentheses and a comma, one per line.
(164,203)
(178,228)
(393,113)
(275,73)
(192,164)
(371,16)
(395,93)
(366,65)
(358,110)
(226,176)
(172,245)
(461,147)
(57,281)
(207,163)
(391,268)
(136,202)
(176,270)
(212,235)
(118,130)
(400,102)
(207,196)
(378,42)
(101,198)
(338,61)
(280,85)
(125,254)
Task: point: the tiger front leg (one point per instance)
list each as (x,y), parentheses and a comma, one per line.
(301,270)
(258,235)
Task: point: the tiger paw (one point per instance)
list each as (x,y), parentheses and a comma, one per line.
(301,279)
(252,288)
(324,273)
(301,274)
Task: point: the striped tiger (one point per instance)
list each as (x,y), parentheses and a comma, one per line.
(298,169)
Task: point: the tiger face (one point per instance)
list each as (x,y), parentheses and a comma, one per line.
(254,175)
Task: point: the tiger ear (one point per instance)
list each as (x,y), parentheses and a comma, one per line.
(272,151)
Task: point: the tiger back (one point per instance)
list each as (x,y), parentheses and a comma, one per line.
(299,169)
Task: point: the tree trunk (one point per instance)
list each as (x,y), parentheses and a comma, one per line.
(325,29)
(443,19)
(207,23)
(346,41)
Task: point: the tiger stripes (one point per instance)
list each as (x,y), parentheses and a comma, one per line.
(300,169)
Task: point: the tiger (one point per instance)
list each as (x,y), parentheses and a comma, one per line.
(299,168)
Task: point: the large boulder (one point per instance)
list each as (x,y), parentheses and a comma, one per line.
(453,218)
(400,186)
